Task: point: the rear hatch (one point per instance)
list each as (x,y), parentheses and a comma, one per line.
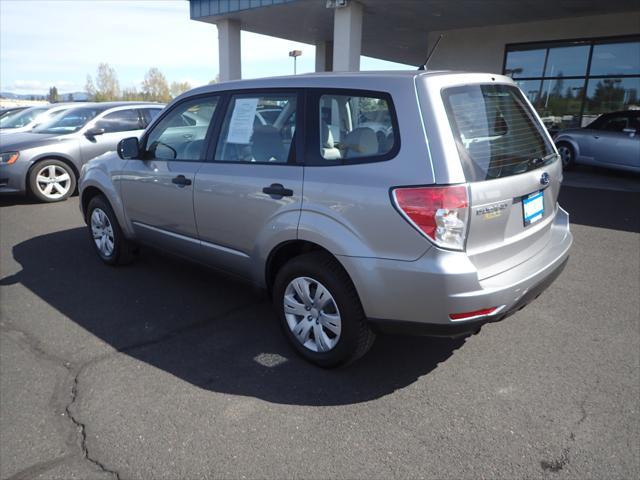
(512,171)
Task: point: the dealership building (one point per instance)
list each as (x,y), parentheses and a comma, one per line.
(573,59)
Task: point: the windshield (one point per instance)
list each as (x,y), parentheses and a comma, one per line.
(69,121)
(496,133)
(21,118)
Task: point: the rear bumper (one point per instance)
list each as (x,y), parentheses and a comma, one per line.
(418,297)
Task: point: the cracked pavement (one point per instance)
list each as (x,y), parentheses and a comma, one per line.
(165,370)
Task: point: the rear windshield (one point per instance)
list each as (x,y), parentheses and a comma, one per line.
(495,131)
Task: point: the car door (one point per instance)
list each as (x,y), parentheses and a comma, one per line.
(157,188)
(250,193)
(617,142)
(103,134)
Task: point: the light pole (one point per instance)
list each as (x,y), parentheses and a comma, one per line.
(295,54)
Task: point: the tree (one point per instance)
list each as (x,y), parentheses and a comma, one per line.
(90,88)
(107,85)
(215,80)
(155,87)
(179,87)
(53,95)
(131,94)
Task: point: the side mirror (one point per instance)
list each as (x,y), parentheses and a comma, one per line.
(129,148)
(629,131)
(94,132)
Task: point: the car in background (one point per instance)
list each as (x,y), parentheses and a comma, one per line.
(612,140)
(46,161)
(10,111)
(29,118)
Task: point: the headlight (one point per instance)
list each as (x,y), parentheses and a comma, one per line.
(9,157)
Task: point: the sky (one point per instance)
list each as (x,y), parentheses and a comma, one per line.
(47,43)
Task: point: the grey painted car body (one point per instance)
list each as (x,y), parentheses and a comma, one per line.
(75,148)
(619,150)
(226,221)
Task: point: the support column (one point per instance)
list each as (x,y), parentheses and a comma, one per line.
(324,56)
(229,50)
(347,37)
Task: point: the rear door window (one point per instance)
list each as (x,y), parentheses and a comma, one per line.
(496,133)
(354,128)
(120,121)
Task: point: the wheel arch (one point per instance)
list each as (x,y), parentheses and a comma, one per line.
(288,250)
(54,156)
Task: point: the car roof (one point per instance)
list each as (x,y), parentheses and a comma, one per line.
(108,105)
(316,79)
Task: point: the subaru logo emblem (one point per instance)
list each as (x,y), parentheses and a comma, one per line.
(544,179)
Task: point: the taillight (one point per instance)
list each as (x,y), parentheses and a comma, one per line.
(440,213)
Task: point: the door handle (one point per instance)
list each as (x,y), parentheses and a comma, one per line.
(277,190)
(181,181)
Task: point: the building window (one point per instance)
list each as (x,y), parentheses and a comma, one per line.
(571,83)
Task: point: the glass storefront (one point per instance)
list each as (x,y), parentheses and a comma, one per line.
(571,83)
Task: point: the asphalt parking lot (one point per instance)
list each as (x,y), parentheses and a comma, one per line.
(165,370)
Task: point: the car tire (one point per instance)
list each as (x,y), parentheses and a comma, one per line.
(329,327)
(52,181)
(567,155)
(106,235)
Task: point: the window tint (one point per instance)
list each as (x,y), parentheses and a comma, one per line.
(615,122)
(525,63)
(496,134)
(560,103)
(21,118)
(149,115)
(248,136)
(120,121)
(70,121)
(567,61)
(353,127)
(610,95)
(616,59)
(173,138)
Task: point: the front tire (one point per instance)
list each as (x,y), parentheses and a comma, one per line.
(52,181)
(567,155)
(320,311)
(106,235)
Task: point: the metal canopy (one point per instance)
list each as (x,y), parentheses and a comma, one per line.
(393,30)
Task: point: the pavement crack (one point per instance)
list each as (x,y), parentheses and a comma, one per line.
(57,403)
(83,431)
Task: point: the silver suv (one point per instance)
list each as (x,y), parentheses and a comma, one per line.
(420,202)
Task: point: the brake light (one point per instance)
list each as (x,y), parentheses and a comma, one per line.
(440,213)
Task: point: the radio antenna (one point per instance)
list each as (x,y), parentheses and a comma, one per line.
(426,62)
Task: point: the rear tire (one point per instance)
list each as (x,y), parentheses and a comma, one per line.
(106,235)
(328,327)
(52,181)
(567,155)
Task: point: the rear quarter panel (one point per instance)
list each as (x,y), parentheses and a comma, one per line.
(347,209)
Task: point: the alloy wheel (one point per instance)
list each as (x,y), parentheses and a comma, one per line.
(53,182)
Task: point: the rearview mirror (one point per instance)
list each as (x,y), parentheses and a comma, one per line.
(95,131)
(128,148)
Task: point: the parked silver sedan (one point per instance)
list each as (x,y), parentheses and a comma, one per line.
(612,141)
(46,161)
